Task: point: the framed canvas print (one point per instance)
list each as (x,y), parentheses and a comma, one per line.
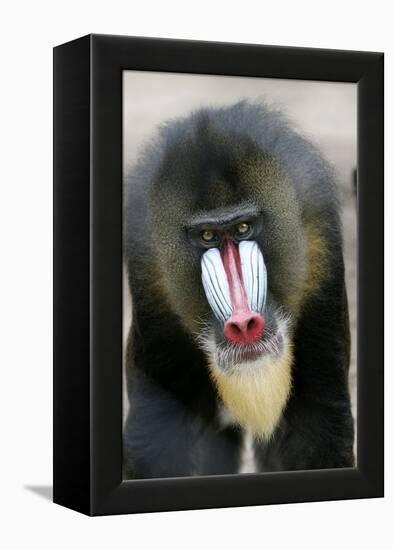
(218,275)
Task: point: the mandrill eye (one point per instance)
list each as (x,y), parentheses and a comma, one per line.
(208,236)
(242,229)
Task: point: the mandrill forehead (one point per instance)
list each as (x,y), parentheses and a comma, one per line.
(212,182)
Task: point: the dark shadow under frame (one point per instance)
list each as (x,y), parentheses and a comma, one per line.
(88,274)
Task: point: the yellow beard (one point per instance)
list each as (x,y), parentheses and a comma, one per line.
(256,397)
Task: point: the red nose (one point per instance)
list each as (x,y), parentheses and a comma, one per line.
(244,327)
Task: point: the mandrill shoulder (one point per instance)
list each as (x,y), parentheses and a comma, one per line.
(323,254)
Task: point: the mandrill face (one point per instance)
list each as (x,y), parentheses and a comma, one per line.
(241,328)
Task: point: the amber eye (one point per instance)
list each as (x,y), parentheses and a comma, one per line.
(242,228)
(208,236)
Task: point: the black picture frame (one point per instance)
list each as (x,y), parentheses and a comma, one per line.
(88,274)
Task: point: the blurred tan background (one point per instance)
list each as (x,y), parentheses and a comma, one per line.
(324,112)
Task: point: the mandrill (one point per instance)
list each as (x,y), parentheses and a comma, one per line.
(240,324)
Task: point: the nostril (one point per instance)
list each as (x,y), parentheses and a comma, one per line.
(234,327)
(251,324)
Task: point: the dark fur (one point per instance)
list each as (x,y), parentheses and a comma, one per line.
(212,160)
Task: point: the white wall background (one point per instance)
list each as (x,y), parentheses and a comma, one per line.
(28,32)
